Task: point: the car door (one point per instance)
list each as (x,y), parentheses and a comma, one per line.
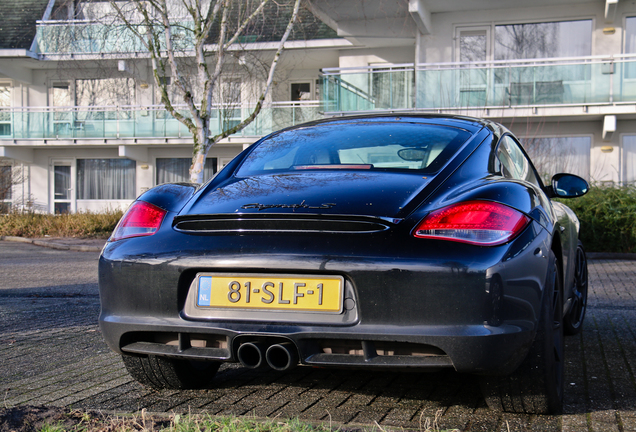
(517,165)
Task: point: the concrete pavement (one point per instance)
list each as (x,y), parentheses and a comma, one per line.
(52,353)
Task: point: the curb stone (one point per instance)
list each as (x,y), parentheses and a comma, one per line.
(60,244)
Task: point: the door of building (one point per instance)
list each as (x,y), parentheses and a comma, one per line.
(62,187)
(472,51)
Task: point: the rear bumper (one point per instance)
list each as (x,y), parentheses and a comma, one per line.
(475,349)
(416,304)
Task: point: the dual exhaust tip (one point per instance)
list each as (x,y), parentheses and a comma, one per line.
(258,355)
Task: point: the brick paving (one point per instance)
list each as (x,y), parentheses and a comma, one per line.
(52,353)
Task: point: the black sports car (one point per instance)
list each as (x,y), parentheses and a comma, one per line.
(389,242)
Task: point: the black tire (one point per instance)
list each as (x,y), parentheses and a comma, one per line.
(536,387)
(167,373)
(573,320)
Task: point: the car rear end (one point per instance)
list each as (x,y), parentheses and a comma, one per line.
(332,266)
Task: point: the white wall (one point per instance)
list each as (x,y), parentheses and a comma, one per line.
(366,57)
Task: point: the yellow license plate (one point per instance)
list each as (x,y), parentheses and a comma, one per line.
(275,292)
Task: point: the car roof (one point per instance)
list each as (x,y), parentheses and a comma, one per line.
(470,124)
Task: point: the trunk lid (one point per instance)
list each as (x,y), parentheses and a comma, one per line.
(377,193)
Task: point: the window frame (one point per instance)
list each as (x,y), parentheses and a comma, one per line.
(312,92)
(79,185)
(8,119)
(6,202)
(591,19)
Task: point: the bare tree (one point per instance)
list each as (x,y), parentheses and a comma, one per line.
(192,44)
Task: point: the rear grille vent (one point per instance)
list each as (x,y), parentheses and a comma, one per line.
(258,223)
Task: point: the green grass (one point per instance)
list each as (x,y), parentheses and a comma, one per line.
(83,224)
(197,423)
(82,421)
(178,423)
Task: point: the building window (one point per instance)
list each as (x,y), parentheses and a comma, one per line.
(391,87)
(178,169)
(6,186)
(473,45)
(61,94)
(473,81)
(62,188)
(5,110)
(543,40)
(300,91)
(60,98)
(106,179)
(231,98)
(105,95)
(630,46)
(171,170)
(560,155)
(629,159)
(630,35)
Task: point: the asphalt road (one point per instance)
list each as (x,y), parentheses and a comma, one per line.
(52,353)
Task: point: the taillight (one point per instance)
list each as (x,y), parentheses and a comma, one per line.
(475,222)
(141,219)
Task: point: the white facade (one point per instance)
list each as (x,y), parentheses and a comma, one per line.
(569,93)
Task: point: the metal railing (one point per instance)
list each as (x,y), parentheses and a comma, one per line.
(144,122)
(496,84)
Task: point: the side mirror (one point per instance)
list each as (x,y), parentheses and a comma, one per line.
(568,186)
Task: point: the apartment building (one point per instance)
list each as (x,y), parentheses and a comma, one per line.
(80,117)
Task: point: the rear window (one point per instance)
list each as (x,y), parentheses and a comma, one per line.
(366,146)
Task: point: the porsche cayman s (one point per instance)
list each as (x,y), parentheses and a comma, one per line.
(384,242)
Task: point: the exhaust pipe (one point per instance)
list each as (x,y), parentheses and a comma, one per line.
(250,354)
(282,357)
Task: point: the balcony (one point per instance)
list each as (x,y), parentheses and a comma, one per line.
(449,87)
(91,37)
(65,123)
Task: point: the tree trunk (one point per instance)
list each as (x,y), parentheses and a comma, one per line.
(201,146)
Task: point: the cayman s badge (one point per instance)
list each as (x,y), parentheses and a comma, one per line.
(302,205)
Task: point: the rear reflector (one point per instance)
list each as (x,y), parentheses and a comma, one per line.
(476,222)
(141,219)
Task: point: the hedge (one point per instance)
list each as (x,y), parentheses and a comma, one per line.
(608,218)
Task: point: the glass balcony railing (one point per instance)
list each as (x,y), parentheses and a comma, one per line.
(143,122)
(451,86)
(89,37)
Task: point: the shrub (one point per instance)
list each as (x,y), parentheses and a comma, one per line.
(83,224)
(608,218)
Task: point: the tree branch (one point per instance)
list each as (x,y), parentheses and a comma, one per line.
(242,27)
(270,79)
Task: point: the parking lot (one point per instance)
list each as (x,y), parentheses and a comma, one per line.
(52,353)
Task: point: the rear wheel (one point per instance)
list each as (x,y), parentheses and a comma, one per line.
(573,321)
(536,387)
(168,373)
